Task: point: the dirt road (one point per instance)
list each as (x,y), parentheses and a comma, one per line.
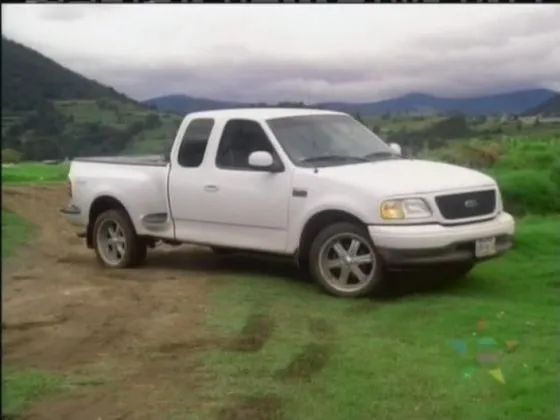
(61,311)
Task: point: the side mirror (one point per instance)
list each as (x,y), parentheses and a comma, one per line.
(395,147)
(263,161)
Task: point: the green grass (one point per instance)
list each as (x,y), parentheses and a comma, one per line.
(393,360)
(15,232)
(32,173)
(23,387)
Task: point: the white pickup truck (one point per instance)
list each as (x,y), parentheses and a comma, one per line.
(314,185)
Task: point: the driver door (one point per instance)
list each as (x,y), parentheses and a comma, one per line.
(247,207)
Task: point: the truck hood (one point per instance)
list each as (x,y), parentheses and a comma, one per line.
(406,176)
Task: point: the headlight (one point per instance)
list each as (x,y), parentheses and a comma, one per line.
(408,208)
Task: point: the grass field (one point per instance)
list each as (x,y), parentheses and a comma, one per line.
(315,357)
(20,387)
(34,173)
(293,353)
(15,231)
(23,387)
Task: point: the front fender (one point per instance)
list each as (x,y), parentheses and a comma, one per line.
(342,203)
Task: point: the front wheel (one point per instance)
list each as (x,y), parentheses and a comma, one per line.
(115,241)
(344,262)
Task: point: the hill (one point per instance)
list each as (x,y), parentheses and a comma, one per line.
(183,104)
(29,78)
(506,103)
(550,107)
(51,112)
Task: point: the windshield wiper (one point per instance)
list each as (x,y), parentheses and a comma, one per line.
(334,157)
(380,154)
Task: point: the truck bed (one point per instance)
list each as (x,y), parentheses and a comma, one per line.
(148,160)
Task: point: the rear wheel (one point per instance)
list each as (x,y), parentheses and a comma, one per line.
(344,262)
(115,240)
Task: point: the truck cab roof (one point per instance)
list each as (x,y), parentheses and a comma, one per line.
(260,113)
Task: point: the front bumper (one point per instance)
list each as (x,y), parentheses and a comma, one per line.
(73,215)
(438,244)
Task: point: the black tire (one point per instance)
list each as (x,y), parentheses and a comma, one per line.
(135,249)
(305,270)
(328,234)
(218,250)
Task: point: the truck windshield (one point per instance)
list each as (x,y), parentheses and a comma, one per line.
(327,140)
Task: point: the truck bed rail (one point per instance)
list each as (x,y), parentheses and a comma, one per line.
(152,160)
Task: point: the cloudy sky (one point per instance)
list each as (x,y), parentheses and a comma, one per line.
(312,53)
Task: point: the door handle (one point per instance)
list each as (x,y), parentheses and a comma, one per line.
(211,188)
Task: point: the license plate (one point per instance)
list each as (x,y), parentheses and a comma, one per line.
(485,247)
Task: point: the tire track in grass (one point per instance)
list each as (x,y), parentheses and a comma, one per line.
(313,357)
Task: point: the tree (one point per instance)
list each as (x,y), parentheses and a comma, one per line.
(152,121)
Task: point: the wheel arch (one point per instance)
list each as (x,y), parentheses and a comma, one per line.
(318,221)
(100,205)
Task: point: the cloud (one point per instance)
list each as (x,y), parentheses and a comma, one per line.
(69,12)
(299,52)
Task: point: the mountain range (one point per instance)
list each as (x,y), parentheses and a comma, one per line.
(550,106)
(511,103)
(51,112)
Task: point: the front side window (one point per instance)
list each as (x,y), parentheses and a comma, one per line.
(325,140)
(239,139)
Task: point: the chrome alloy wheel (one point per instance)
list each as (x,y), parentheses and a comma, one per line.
(111,242)
(347,262)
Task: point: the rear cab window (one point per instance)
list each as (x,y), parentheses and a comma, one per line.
(194,142)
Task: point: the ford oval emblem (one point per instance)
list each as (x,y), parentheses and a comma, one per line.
(471,204)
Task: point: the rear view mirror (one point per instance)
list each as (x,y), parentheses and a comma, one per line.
(395,147)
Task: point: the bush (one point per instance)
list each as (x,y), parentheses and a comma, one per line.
(529,191)
(528,159)
(10,156)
